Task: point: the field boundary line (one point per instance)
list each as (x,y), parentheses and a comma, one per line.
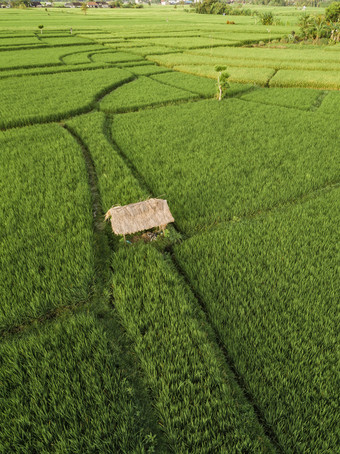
(174,86)
(107,132)
(270,78)
(319,100)
(47,316)
(284,205)
(65,67)
(303,109)
(229,362)
(154,106)
(91,106)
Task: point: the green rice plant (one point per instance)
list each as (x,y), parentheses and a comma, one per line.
(199,406)
(258,76)
(65,388)
(19,41)
(244,37)
(117,185)
(109,40)
(271,288)
(16,59)
(331,103)
(133,64)
(151,50)
(142,92)
(147,70)
(74,58)
(276,63)
(80,90)
(70,40)
(203,86)
(216,160)
(46,256)
(311,79)
(51,70)
(122,44)
(114,57)
(298,98)
(95,35)
(179,59)
(198,70)
(183,43)
(296,54)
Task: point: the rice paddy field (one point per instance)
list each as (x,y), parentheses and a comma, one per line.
(221,337)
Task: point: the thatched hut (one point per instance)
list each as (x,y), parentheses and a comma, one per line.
(136,217)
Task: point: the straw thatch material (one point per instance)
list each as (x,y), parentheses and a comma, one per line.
(139,216)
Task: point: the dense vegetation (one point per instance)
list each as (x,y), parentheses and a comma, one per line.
(19,107)
(265,298)
(46,257)
(64,389)
(251,155)
(142,92)
(221,336)
(200,407)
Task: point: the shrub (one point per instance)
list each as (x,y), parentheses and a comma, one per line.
(333,12)
(267,18)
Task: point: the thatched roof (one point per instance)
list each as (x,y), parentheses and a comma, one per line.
(139,216)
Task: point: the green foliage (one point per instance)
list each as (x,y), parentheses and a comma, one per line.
(299,98)
(271,289)
(50,70)
(202,86)
(117,185)
(36,57)
(331,103)
(19,107)
(256,159)
(114,57)
(312,79)
(267,18)
(64,389)
(222,82)
(46,256)
(140,93)
(70,40)
(200,408)
(247,65)
(243,75)
(269,285)
(81,56)
(218,7)
(146,70)
(333,12)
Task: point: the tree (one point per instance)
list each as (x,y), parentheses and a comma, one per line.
(84,8)
(222,81)
(333,12)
